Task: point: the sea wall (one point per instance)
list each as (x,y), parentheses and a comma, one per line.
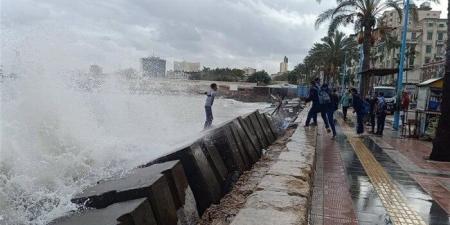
(178,187)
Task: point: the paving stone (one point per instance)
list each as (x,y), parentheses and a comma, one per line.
(134,212)
(295,156)
(277,200)
(250,216)
(291,168)
(287,184)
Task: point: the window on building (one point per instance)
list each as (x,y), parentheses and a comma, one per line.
(429,36)
(413,36)
(430,24)
(440,36)
(428,49)
(427,59)
(439,50)
(411,62)
(441,25)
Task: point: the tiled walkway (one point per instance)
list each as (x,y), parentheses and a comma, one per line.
(368,181)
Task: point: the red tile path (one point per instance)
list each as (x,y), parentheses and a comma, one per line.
(337,202)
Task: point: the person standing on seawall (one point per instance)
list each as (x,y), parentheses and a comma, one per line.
(346,102)
(210,95)
(358,108)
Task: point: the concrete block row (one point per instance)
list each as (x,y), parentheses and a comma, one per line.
(158,194)
(178,187)
(283,195)
(215,161)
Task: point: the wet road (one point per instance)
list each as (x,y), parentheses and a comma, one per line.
(375,190)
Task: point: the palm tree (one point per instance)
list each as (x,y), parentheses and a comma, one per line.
(329,54)
(363,14)
(441,149)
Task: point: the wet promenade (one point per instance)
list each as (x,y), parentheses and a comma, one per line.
(375,180)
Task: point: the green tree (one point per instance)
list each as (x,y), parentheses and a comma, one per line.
(441,149)
(260,77)
(329,54)
(363,14)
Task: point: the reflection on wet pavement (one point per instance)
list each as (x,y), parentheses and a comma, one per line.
(412,201)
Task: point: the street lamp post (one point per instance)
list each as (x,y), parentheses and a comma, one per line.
(402,62)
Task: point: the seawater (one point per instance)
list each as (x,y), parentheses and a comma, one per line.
(58,138)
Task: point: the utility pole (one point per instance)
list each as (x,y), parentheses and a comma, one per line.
(344,74)
(402,62)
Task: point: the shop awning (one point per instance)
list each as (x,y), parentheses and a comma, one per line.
(434,82)
(378,72)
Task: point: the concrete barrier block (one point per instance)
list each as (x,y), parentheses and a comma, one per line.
(265,128)
(134,212)
(258,130)
(139,183)
(226,145)
(224,176)
(271,124)
(200,175)
(251,134)
(250,150)
(183,197)
(240,146)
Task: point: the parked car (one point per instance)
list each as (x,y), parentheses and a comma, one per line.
(389,96)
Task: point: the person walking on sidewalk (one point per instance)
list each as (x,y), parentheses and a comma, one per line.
(210,95)
(359,109)
(346,102)
(314,98)
(372,111)
(405,106)
(327,108)
(381,113)
(330,113)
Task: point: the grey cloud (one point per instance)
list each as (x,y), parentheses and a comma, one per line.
(237,33)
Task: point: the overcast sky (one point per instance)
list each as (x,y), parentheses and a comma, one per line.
(64,35)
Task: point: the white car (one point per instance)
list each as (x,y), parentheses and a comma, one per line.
(389,96)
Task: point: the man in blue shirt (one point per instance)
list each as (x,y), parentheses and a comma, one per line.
(210,95)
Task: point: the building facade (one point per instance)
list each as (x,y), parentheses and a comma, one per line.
(284,65)
(153,67)
(185,66)
(425,42)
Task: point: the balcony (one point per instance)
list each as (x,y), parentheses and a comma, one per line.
(440,42)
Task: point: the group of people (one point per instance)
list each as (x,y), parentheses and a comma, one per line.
(326,101)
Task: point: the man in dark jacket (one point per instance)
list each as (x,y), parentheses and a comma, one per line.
(314,98)
(358,107)
(315,108)
(328,107)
